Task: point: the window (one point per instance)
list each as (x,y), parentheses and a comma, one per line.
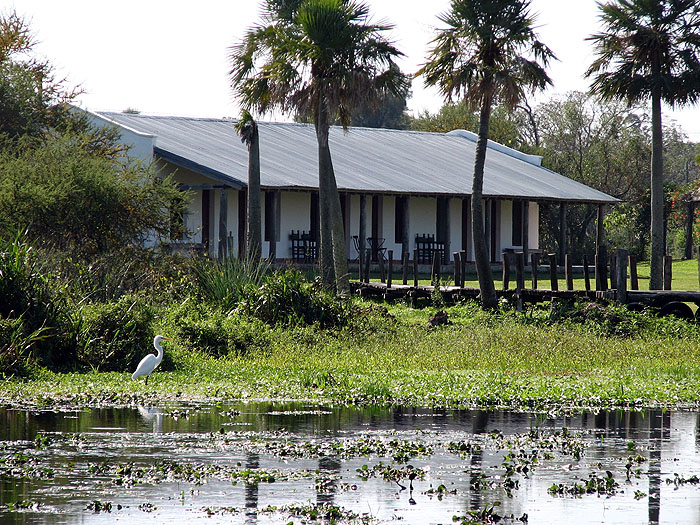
(272,216)
(517,223)
(400,205)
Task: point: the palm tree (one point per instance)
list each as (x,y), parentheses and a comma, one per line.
(320,59)
(247,128)
(649,49)
(488,53)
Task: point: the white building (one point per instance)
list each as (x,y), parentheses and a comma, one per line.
(395,186)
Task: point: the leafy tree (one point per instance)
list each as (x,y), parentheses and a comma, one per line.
(489,53)
(388,113)
(649,50)
(78,201)
(507,126)
(604,146)
(319,59)
(247,128)
(31,98)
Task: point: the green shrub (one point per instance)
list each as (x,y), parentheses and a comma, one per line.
(225,282)
(16,347)
(79,201)
(114,336)
(219,334)
(287,298)
(26,293)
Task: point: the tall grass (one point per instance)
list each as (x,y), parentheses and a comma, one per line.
(225,281)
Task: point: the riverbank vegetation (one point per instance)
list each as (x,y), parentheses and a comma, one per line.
(282,336)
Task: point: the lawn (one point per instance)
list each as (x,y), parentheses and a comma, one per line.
(685,277)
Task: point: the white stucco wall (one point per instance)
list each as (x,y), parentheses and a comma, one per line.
(423,217)
(506,229)
(534,226)
(140,144)
(295,214)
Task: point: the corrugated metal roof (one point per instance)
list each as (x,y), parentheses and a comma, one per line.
(364,159)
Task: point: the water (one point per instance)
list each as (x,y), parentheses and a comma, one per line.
(230,463)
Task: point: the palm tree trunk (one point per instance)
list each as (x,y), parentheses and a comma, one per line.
(481,255)
(254,214)
(334,261)
(326,237)
(340,258)
(657,193)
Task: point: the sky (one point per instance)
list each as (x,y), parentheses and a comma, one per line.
(171,57)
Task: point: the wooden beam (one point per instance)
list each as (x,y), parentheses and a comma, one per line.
(534,263)
(562,230)
(506,269)
(622,256)
(668,272)
(553,278)
(223,221)
(526,227)
(634,281)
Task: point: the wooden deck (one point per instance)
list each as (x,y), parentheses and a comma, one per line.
(457,293)
(651,298)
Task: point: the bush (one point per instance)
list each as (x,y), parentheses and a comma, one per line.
(286,298)
(79,201)
(225,282)
(16,347)
(27,294)
(114,336)
(221,335)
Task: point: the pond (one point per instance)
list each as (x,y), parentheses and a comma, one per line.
(272,462)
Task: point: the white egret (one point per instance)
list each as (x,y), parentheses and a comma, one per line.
(148,363)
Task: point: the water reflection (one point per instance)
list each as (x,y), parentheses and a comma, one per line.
(76,443)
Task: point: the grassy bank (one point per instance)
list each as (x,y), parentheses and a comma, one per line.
(587,357)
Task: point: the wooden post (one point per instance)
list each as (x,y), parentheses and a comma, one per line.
(534,263)
(380,261)
(390,274)
(553,279)
(621,276)
(506,270)
(601,269)
(360,263)
(362,234)
(435,277)
(668,271)
(634,281)
(455,257)
(463,266)
(487,225)
(368,262)
(569,271)
(526,227)
(415,268)
(600,230)
(586,274)
(446,232)
(223,219)
(404,261)
(520,271)
(613,272)
(562,230)
(405,237)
